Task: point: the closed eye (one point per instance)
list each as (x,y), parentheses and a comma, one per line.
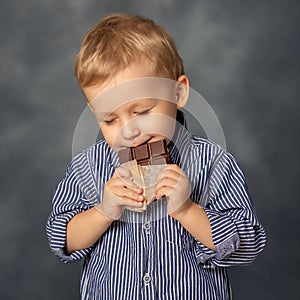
(143,112)
(109,122)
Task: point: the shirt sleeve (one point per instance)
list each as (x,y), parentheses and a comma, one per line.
(74,194)
(237,233)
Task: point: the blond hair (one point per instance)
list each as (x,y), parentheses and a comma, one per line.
(118,41)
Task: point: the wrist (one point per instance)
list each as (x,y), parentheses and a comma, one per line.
(182,211)
(109,215)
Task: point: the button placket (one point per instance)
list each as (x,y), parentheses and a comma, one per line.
(147,226)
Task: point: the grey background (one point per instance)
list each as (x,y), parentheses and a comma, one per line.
(242,56)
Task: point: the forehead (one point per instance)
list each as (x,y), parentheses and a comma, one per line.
(134,71)
(116,96)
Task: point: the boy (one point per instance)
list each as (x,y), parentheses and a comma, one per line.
(203,219)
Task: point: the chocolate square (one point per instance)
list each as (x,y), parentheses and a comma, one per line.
(125,155)
(157,148)
(141,152)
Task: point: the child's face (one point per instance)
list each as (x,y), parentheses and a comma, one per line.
(129,123)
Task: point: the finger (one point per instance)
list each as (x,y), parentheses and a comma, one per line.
(125,201)
(119,189)
(129,184)
(170,171)
(173,167)
(163,191)
(166,182)
(168,174)
(122,200)
(132,203)
(123,172)
(126,182)
(123,192)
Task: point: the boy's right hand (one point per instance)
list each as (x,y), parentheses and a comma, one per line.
(120,191)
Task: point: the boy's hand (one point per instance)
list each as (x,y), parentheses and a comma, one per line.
(173,183)
(120,191)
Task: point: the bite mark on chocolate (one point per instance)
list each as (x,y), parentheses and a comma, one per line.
(153,153)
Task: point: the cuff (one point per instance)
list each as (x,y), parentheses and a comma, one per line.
(56,230)
(225,238)
(73,257)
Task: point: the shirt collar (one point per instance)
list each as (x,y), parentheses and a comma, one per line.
(113,158)
(180,145)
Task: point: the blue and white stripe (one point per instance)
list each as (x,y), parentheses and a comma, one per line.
(161,261)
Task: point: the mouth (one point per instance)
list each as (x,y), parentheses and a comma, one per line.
(136,144)
(141,142)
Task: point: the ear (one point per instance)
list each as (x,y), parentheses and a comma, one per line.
(182,91)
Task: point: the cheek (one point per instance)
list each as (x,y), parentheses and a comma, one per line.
(158,124)
(108,134)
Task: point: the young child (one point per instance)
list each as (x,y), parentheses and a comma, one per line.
(203,219)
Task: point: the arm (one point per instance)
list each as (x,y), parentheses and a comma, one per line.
(86,228)
(226,230)
(70,199)
(77,219)
(194,219)
(237,233)
(173,183)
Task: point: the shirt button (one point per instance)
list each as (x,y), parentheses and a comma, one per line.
(147,278)
(202,259)
(147,226)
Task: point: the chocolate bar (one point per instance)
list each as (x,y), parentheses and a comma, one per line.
(153,153)
(145,163)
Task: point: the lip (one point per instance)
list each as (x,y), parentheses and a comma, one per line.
(135,144)
(141,142)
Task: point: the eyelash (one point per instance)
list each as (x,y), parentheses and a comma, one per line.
(108,122)
(144,112)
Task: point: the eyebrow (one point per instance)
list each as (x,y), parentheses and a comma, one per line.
(133,105)
(141,102)
(102,116)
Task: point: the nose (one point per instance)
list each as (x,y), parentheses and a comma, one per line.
(130,130)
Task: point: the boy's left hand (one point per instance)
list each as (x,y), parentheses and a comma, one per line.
(173,183)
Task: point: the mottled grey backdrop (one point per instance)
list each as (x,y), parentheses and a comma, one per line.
(242,56)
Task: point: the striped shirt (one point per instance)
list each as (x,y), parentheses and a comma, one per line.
(150,255)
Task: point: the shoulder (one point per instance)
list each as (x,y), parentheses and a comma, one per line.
(206,148)
(101,148)
(212,154)
(218,159)
(98,152)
